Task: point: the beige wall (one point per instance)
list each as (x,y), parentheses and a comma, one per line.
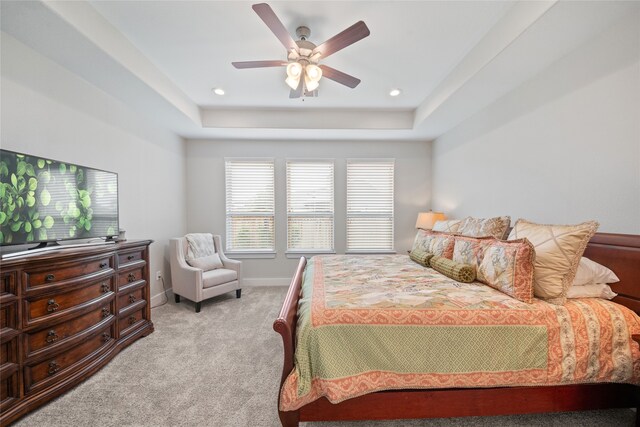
(562,148)
(50,112)
(206,189)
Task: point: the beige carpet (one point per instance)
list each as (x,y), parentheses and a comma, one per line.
(221,368)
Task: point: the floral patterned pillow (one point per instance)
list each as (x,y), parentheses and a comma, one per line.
(440,244)
(470,250)
(482,227)
(450,226)
(508,267)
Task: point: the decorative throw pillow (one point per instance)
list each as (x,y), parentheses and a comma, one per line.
(596,290)
(470,250)
(421,257)
(558,251)
(508,267)
(206,263)
(199,245)
(450,226)
(459,272)
(437,243)
(481,227)
(590,272)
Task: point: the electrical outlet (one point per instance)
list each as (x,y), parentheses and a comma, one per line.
(158,275)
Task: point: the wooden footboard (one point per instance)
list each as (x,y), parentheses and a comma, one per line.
(621,252)
(285,325)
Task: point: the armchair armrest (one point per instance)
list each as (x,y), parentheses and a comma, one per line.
(186,280)
(231,264)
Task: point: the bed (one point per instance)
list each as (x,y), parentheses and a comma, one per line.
(452,398)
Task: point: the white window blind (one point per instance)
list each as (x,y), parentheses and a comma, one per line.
(309,206)
(250,205)
(370,205)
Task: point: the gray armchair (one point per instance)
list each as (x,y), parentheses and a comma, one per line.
(198,285)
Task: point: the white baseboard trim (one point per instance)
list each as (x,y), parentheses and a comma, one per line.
(270,281)
(159,299)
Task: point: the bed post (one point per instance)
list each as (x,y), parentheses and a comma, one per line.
(285,325)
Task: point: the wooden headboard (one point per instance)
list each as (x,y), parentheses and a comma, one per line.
(620,253)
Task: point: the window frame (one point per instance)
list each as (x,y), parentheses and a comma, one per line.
(295,253)
(392,250)
(254,252)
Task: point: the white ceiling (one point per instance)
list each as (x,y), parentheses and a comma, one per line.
(449,58)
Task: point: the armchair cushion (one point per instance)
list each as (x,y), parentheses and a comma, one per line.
(206,263)
(218,277)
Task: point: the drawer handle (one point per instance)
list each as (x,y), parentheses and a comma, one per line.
(132,298)
(105,337)
(132,320)
(131,277)
(49,278)
(105,288)
(52,337)
(53,367)
(52,306)
(105,312)
(103,264)
(130,257)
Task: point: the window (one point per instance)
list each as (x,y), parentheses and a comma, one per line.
(370,205)
(250,205)
(310,206)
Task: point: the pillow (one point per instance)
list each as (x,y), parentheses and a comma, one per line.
(596,290)
(558,251)
(206,263)
(481,227)
(450,226)
(440,244)
(459,272)
(421,257)
(590,272)
(508,267)
(470,250)
(199,245)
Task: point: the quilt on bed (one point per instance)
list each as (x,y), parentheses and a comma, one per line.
(380,322)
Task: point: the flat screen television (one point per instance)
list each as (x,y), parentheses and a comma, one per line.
(45,201)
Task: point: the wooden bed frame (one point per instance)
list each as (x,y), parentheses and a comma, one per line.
(620,252)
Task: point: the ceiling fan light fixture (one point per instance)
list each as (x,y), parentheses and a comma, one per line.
(313,72)
(294,69)
(292,82)
(311,84)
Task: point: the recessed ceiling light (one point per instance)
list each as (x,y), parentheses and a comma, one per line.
(218,91)
(395,92)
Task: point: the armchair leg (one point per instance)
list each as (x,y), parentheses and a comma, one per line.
(177,297)
(238,293)
(197,307)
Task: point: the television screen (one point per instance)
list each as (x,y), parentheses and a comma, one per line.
(44,200)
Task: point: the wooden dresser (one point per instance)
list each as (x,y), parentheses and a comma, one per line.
(65,313)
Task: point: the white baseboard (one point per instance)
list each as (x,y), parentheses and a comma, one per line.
(270,281)
(159,299)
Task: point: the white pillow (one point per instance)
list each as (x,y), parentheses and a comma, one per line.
(590,272)
(597,290)
(206,263)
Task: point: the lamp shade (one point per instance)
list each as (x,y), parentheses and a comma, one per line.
(427,219)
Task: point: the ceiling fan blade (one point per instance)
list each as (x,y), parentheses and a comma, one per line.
(356,32)
(339,76)
(297,93)
(259,64)
(269,17)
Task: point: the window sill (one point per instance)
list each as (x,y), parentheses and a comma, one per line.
(250,255)
(298,254)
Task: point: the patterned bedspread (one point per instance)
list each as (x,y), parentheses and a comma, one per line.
(370,323)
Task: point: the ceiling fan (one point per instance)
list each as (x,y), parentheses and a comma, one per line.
(303,71)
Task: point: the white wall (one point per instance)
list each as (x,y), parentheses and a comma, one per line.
(562,148)
(50,112)
(206,189)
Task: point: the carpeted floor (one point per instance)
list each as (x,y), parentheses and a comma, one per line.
(221,367)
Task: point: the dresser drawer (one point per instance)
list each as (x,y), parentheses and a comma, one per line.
(9,386)
(50,339)
(53,275)
(42,374)
(131,320)
(131,296)
(130,277)
(130,257)
(8,349)
(38,309)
